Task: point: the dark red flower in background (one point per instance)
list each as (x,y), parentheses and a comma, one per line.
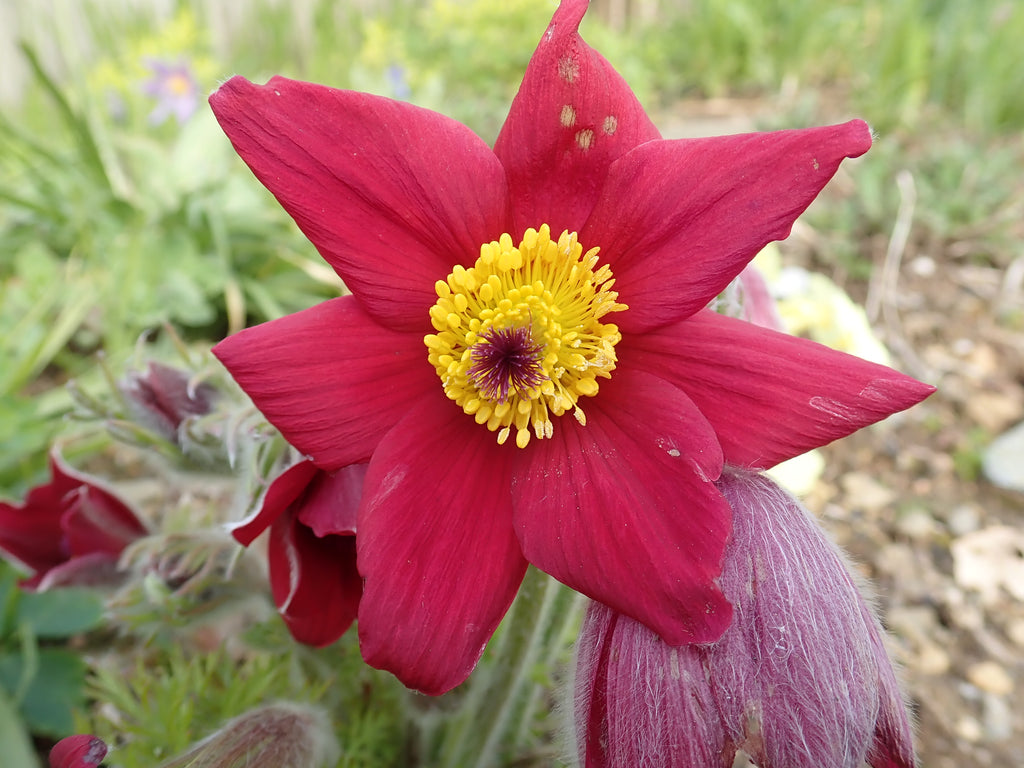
(71,530)
(475,466)
(311,515)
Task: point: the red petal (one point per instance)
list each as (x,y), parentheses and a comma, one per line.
(391,195)
(81,751)
(283,491)
(770,396)
(436,547)
(625,509)
(31,533)
(332,380)
(332,501)
(73,514)
(678,220)
(97,521)
(314,581)
(574,115)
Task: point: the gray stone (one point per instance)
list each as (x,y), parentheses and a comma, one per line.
(1003,460)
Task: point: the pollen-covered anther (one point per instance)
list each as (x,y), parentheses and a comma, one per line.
(519,337)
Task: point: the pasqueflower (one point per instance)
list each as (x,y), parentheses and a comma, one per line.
(526,359)
(800,677)
(71,530)
(311,515)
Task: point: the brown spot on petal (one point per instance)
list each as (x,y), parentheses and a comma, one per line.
(585,139)
(610,125)
(568,69)
(568,116)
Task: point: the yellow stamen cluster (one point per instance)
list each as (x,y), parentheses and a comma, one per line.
(519,337)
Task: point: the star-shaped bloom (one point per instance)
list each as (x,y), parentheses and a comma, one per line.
(311,515)
(526,359)
(70,530)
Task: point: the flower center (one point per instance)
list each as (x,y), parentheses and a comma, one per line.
(519,337)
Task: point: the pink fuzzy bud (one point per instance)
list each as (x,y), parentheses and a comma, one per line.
(800,678)
(281,735)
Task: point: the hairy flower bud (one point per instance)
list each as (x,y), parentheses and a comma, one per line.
(800,678)
(282,735)
(163,397)
(80,751)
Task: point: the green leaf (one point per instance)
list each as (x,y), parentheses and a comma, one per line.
(60,613)
(77,124)
(52,695)
(8,598)
(17,747)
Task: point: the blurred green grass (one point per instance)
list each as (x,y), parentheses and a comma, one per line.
(111,226)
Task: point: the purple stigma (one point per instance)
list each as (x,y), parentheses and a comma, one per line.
(505,360)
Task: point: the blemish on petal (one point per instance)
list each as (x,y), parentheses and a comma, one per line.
(814,160)
(568,116)
(610,125)
(568,69)
(585,139)
(838,412)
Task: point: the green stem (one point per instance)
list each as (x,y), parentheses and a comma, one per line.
(492,721)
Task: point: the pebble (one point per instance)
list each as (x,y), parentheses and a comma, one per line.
(1015,631)
(964,519)
(991,678)
(969,729)
(1003,458)
(932,659)
(917,523)
(989,560)
(997,718)
(864,492)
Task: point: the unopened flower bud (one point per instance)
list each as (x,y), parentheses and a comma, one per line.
(163,397)
(282,735)
(800,679)
(80,751)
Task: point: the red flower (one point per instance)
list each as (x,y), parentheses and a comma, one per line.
(312,551)
(81,751)
(618,502)
(69,531)
(800,677)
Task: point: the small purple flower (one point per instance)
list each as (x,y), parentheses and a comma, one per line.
(399,83)
(799,679)
(175,89)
